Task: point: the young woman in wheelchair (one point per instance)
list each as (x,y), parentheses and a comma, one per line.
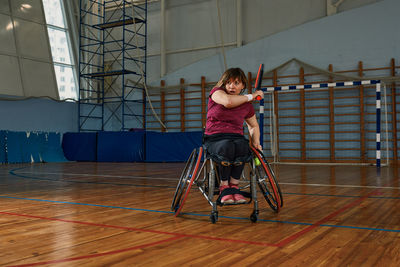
(224,141)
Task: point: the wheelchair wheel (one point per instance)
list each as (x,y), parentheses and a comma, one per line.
(267,182)
(183,181)
(188,175)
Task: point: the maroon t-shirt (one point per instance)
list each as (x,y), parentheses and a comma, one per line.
(226,120)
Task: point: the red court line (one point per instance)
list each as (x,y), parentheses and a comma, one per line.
(144,230)
(323,220)
(99,254)
(178,235)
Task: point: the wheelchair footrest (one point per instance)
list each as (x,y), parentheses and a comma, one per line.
(232,191)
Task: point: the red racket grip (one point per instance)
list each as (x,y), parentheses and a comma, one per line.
(258,98)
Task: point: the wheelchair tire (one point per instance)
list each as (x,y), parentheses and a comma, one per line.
(267,182)
(185,183)
(182,181)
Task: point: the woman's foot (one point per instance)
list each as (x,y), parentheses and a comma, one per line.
(238,198)
(228,199)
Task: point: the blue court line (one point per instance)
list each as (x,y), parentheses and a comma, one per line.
(244,218)
(361,228)
(301,223)
(12,172)
(199,214)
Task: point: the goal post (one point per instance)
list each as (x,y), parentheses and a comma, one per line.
(273,133)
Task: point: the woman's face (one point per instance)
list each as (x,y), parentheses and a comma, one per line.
(234,86)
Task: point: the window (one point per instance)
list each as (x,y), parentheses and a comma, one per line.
(60,48)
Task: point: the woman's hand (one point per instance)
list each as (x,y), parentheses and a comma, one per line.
(254,131)
(259,94)
(259,147)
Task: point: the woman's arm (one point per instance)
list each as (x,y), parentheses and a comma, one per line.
(254,131)
(231,101)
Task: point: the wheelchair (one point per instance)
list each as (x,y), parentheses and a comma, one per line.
(202,171)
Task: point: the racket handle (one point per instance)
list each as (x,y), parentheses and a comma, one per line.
(258,98)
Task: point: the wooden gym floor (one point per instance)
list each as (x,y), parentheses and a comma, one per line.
(118,214)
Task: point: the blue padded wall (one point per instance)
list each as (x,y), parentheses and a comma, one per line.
(80,146)
(53,152)
(18,147)
(27,147)
(3,151)
(171,147)
(35,143)
(120,146)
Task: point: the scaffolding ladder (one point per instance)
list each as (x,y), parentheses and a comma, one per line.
(112,65)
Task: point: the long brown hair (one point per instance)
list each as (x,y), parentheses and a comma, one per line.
(232,73)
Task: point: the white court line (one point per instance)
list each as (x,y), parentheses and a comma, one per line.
(101,175)
(343,185)
(171,178)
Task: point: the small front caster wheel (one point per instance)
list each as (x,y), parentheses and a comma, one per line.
(254,217)
(214,217)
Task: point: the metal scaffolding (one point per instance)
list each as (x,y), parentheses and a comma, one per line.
(112,65)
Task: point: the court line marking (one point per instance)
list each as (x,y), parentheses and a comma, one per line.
(85,182)
(176,179)
(133,229)
(329,195)
(281,243)
(99,254)
(178,236)
(295,236)
(327,218)
(84,204)
(202,215)
(155,186)
(100,175)
(340,185)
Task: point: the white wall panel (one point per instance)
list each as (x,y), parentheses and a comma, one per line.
(32,40)
(4,7)
(350,4)
(190,24)
(7,41)
(29,10)
(342,40)
(38,79)
(197,24)
(153,28)
(194,24)
(38,115)
(265,17)
(10,76)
